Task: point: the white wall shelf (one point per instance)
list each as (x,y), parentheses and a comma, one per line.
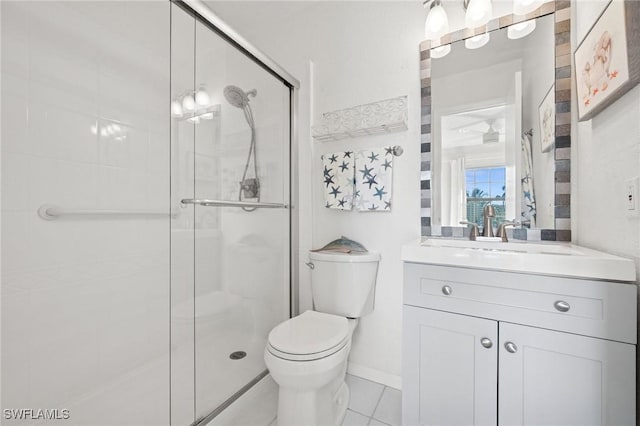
(387,116)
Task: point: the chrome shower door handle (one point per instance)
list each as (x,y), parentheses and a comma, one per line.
(230,203)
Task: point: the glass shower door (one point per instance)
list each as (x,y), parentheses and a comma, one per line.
(230,164)
(241,253)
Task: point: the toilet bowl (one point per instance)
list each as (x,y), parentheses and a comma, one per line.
(307,355)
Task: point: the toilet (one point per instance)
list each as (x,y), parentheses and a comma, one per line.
(307,355)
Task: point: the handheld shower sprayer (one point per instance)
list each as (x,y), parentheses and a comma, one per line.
(249,187)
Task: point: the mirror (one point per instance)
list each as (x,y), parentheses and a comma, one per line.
(491,113)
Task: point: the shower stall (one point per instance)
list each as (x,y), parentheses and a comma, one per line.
(148,235)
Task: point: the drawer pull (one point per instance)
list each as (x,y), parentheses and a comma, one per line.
(562,306)
(511,347)
(446,290)
(486,342)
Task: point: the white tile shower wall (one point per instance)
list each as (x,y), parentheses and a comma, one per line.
(85,300)
(375,59)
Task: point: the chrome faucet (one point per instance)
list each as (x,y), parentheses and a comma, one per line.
(487,220)
(502,229)
(473,234)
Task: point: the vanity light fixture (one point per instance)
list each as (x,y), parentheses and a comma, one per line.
(522,7)
(110,130)
(440,51)
(521,29)
(478,13)
(188,103)
(194,106)
(202,97)
(176,109)
(437,23)
(477,42)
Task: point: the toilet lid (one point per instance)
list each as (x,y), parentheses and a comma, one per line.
(309,333)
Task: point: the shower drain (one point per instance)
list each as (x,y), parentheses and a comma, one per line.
(237,355)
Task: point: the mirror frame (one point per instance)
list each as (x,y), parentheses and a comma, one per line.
(561,9)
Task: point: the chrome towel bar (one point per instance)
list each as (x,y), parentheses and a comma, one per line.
(227,203)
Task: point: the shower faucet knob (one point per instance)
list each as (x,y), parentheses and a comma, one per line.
(250,187)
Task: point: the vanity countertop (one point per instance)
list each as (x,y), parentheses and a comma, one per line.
(541,258)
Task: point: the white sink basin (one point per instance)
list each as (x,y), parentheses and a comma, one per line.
(558,259)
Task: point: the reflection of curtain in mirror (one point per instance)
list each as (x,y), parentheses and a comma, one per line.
(458,210)
(528,206)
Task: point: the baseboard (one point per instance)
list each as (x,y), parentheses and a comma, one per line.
(374,375)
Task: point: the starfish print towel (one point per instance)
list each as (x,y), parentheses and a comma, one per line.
(338,171)
(374,175)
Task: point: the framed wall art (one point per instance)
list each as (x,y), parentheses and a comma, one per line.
(547,119)
(607,61)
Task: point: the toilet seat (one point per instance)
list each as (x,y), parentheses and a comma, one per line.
(309,336)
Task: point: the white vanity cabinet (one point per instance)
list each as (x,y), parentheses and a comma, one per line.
(486,348)
(449,378)
(557,378)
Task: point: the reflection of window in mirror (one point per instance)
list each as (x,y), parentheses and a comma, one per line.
(475,149)
(485,186)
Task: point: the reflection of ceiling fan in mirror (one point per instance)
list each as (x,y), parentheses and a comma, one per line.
(491,135)
(475,127)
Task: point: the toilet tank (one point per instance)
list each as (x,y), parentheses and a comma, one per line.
(344,283)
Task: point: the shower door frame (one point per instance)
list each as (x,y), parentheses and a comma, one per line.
(203,14)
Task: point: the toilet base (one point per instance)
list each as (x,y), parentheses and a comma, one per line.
(342,401)
(314,392)
(331,413)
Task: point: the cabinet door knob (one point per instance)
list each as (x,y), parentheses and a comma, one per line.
(562,306)
(447,290)
(486,342)
(511,347)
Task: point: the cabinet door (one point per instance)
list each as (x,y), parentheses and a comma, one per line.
(449,377)
(555,378)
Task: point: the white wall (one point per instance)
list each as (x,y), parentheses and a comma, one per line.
(346,54)
(605,153)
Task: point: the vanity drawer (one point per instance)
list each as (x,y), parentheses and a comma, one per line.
(593,308)
(554,303)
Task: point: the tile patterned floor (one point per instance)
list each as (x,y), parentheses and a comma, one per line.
(372,404)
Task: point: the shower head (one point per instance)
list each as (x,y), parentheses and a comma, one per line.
(238,97)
